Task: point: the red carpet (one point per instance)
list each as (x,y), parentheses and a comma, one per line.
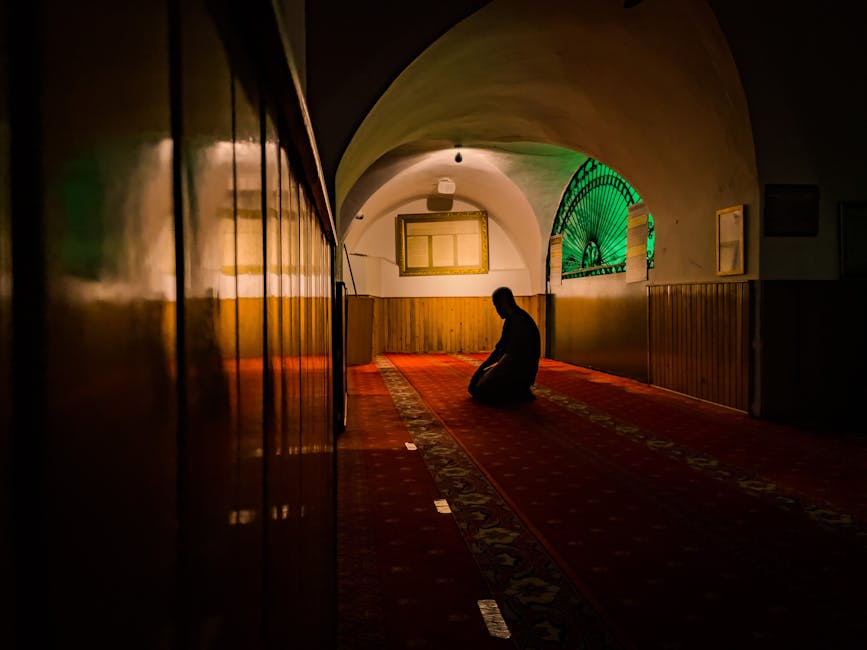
(680,524)
(406,578)
(827,469)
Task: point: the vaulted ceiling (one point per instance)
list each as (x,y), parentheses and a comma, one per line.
(529,90)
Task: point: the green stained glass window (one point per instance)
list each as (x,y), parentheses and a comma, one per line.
(592,218)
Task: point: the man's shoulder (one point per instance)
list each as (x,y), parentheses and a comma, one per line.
(523,315)
(524,322)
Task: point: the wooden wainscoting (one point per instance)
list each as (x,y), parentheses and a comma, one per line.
(700,340)
(428,324)
(359,329)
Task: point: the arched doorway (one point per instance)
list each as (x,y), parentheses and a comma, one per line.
(652,91)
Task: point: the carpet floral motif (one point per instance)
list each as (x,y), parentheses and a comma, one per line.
(751,484)
(537,599)
(667,553)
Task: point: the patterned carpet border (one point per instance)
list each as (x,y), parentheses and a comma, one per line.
(752,484)
(538,600)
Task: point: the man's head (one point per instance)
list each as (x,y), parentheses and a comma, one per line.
(504,302)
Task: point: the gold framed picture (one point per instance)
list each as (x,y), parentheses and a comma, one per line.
(442,243)
(730,241)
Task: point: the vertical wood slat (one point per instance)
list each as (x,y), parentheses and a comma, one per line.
(707,323)
(440,324)
(699,340)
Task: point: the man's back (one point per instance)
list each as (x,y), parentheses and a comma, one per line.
(510,370)
(521,342)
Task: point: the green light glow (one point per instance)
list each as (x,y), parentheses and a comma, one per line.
(592,218)
(82,246)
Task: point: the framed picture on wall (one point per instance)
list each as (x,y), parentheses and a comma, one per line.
(791,210)
(853,240)
(730,241)
(442,243)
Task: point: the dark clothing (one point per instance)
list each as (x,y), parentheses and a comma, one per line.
(520,346)
(511,369)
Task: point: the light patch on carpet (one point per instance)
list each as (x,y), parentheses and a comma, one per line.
(493,619)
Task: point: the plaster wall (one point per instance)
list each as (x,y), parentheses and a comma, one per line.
(803,75)
(371,246)
(652,92)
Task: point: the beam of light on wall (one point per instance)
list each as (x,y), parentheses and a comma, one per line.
(97,267)
(115,207)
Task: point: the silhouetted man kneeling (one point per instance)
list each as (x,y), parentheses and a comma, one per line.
(506,376)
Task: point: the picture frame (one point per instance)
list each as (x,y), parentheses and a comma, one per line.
(853,240)
(729,228)
(791,210)
(442,243)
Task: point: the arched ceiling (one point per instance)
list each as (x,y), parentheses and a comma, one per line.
(495,178)
(652,91)
(354,51)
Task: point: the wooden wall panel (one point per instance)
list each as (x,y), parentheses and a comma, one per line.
(185,436)
(812,349)
(360,329)
(430,324)
(700,340)
(601,323)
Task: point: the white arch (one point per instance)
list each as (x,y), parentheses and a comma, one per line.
(479,181)
(652,91)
